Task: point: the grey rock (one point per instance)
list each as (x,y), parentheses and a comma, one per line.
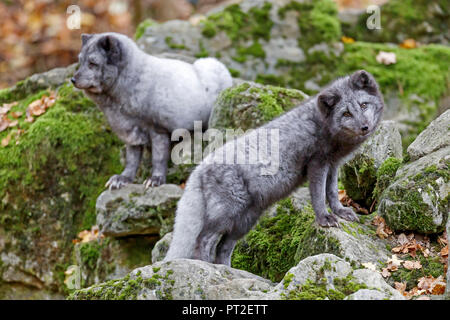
(418,200)
(135,210)
(325,270)
(184,279)
(359,173)
(161,247)
(434,137)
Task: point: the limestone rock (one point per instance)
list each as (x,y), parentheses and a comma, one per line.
(135,210)
(418,198)
(434,137)
(359,174)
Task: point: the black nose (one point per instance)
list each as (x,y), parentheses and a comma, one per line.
(73,80)
(365,128)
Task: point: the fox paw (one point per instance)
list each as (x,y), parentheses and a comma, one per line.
(347,214)
(327,220)
(154,181)
(117,181)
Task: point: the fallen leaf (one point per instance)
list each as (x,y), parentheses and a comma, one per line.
(13,123)
(410,265)
(5,141)
(386,58)
(409,44)
(16,114)
(4,123)
(385,273)
(347,40)
(400,286)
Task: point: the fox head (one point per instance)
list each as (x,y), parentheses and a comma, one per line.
(101,58)
(352,106)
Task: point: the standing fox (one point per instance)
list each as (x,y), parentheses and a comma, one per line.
(145,98)
(222,202)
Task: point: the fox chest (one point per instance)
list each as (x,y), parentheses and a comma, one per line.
(131,131)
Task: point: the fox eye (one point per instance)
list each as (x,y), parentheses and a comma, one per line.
(363,106)
(347,114)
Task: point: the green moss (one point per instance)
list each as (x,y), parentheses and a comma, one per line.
(317,21)
(385,175)
(255,23)
(172,45)
(52,174)
(140,30)
(430,266)
(320,290)
(278,243)
(359,177)
(267,103)
(411,212)
(405,19)
(90,253)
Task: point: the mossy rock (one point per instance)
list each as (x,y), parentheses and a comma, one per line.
(359,174)
(280,240)
(250,105)
(50,177)
(135,210)
(108,259)
(426,21)
(418,197)
(180,279)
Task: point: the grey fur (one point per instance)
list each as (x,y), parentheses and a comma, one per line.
(145,98)
(222,202)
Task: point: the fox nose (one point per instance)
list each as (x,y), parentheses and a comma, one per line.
(365,128)
(73,80)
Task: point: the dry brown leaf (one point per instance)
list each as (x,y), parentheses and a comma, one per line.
(370,266)
(4,124)
(385,273)
(347,40)
(409,44)
(6,140)
(386,58)
(410,265)
(400,286)
(89,235)
(13,123)
(6,107)
(16,114)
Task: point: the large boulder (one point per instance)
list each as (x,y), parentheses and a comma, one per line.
(328,277)
(323,276)
(249,105)
(418,197)
(51,172)
(286,235)
(434,137)
(359,173)
(134,210)
(181,279)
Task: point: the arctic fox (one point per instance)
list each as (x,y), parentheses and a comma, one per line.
(145,98)
(222,202)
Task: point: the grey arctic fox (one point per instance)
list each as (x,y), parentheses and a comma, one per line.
(145,98)
(222,202)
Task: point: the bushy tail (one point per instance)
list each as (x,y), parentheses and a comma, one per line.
(214,75)
(189,220)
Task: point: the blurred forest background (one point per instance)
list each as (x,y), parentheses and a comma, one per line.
(34,36)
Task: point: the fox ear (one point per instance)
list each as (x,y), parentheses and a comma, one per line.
(85,38)
(112,47)
(362,80)
(327,100)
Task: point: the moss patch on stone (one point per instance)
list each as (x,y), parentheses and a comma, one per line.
(140,30)
(385,175)
(278,243)
(52,174)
